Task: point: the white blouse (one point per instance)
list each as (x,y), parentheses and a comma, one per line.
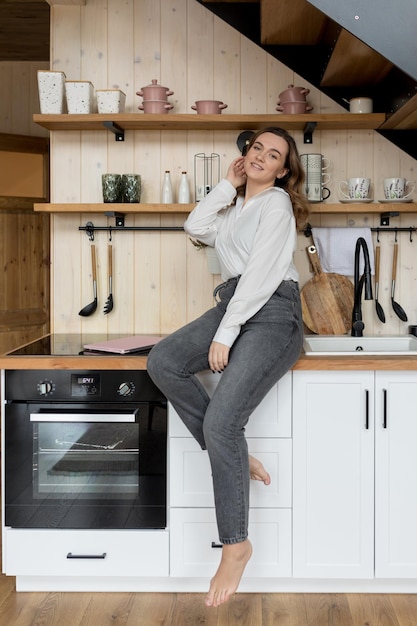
(255,241)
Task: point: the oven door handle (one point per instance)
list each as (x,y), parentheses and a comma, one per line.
(83,417)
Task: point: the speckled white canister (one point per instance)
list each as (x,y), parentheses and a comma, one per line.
(51,86)
(110,100)
(80,96)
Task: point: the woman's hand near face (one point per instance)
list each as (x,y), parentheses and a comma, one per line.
(236,172)
(218,356)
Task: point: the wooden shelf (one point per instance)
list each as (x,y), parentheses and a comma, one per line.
(171,121)
(371,207)
(114,208)
(319,207)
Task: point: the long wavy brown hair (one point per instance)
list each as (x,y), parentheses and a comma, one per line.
(293,181)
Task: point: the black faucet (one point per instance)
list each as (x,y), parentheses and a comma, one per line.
(365,279)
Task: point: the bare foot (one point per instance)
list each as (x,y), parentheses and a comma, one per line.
(257,471)
(227,578)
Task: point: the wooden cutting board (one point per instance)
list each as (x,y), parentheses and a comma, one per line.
(326,300)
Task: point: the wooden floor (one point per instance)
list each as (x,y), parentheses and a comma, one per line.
(182,609)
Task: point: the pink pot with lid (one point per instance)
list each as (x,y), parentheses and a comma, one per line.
(293,94)
(208,106)
(155,106)
(154,91)
(294,107)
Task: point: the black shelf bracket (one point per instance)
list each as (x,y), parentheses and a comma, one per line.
(385,217)
(119,133)
(119,217)
(309,129)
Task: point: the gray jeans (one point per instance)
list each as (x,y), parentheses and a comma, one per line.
(267,347)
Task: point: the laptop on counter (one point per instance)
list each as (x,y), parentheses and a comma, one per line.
(136,344)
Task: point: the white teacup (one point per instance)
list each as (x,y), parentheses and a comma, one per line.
(357,188)
(394,188)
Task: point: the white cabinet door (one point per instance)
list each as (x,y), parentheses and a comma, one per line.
(272,418)
(333,480)
(195,548)
(190,483)
(396,472)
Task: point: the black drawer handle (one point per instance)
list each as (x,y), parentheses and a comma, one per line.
(70,555)
(216,545)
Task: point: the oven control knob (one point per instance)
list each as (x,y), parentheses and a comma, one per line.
(45,387)
(126,389)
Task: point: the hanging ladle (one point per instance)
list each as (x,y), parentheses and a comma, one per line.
(398,310)
(379,309)
(90,308)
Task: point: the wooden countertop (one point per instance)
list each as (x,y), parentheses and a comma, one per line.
(64,352)
(316,363)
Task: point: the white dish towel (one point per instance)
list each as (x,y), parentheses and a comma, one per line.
(336,249)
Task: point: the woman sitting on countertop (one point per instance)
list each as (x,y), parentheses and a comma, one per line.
(253,334)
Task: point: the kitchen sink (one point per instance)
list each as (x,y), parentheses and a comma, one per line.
(333,345)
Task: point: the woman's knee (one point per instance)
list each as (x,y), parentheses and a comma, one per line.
(156,361)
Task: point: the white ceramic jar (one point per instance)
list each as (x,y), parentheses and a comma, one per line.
(80,96)
(110,100)
(51,86)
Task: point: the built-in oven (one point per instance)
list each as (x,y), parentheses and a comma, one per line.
(84,450)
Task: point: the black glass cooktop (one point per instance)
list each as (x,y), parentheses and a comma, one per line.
(63,344)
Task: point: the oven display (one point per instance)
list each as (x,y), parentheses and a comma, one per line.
(83,385)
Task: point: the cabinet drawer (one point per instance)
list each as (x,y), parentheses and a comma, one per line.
(194,530)
(45,553)
(190,483)
(272,418)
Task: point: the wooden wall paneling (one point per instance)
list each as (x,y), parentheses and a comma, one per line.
(6,98)
(71,279)
(66,40)
(226,62)
(173,244)
(333,145)
(253,77)
(200,50)
(20,112)
(99,29)
(69,289)
(174,57)
(173,276)
(120,49)
(94,42)
(279,76)
(143,274)
(360,153)
(190,59)
(147,53)
(66,166)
